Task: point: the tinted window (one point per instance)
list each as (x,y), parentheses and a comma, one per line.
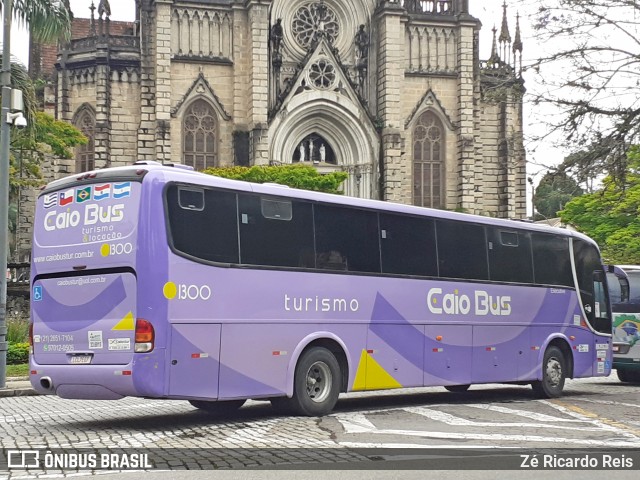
(590,275)
(346,239)
(509,256)
(551,260)
(276,232)
(207,230)
(408,245)
(461,250)
(617,293)
(634,287)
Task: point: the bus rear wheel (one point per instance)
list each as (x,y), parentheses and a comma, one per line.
(221,408)
(316,383)
(554,368)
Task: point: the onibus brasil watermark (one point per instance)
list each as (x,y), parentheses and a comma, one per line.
(32,459)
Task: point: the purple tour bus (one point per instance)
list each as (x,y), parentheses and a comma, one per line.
(157,281)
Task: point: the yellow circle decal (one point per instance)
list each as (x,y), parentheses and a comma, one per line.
(170,290)
(104,250)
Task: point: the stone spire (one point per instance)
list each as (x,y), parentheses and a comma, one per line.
(505,36)
(517,42)
(517,47)
(494,60)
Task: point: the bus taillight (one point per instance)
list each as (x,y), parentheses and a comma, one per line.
(144,336)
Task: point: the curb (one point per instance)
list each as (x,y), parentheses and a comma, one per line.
(18,387)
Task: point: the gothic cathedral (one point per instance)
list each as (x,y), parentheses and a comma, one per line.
(391,91)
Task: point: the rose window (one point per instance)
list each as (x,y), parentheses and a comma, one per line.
(322,74)
(313,19)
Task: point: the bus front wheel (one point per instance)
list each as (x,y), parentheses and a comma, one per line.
(554,374)
(316,383)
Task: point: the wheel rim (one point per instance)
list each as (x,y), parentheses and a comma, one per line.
(554,372)
(319,382)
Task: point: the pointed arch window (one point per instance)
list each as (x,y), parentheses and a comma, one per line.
(314,148)
(199,129)
(428,158)
(85,154)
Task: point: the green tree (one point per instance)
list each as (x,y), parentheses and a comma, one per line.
(554,192)
(48,137)
(295,175)
(592,75)
(611,215)
(48,20)
(20,80)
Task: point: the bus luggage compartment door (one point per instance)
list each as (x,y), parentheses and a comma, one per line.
(194,360)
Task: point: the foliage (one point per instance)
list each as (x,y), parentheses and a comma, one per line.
(553,192)
(49,20)
(17,353)
(297,176)
(19,370)
(611,216)
(17,330)
(593,77)
(20,81)
(47,137)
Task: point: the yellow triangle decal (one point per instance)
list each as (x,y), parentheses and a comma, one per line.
(371,376)
(359,383)
(127,323)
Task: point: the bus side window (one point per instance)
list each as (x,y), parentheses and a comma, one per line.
(274,231)
(408,245)
(551,260)
(351,233)
(462,250)
(214,214)
(509,256)
(191,198)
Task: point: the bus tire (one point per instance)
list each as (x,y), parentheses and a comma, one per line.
(628,376)
(554,374)
(316,383)
(623,375)
(221,408)
(457,388)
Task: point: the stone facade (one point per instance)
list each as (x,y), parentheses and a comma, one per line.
(393,92)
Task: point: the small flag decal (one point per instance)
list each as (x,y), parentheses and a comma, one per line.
(100,192)
(51,200)
(66,198)
(121,190)
(83,194)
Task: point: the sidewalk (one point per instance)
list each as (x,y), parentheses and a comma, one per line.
(17,387)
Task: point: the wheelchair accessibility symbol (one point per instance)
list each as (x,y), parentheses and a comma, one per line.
(37,293)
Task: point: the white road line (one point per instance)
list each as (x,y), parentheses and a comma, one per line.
(541,417)
(357,426)
(458,421)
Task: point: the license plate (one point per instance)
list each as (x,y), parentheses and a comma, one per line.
(81,359)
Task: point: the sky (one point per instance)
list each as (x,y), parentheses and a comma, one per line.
(488,11)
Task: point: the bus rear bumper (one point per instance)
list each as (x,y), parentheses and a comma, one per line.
(99,382)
